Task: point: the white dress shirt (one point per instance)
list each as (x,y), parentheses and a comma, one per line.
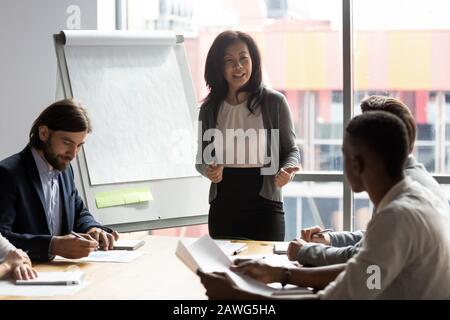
(50,189)
(5,247)
(241,152)
(408,239)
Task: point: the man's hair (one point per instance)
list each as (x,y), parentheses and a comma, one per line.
(64,115)
(386,135)
(396,107)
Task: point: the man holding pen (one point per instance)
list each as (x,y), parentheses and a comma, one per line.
(39,203)
(339,247)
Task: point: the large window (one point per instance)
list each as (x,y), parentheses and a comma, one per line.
(399,49)
(404,55)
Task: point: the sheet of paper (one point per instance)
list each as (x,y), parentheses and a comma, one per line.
(122,197)
(108,256)
(210,258)
(231,248)
(275,260)
(131,106)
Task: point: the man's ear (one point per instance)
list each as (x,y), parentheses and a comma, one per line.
(43,133)
(358,165)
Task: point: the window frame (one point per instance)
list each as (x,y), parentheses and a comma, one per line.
(348,107)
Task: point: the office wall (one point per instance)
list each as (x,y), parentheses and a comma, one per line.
(27,60)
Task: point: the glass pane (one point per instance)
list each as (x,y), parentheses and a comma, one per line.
(405,55)
(446,188)
(362,208)
(300,44)
(312,203)
(447,158)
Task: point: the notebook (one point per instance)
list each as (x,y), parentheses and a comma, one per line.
(280,247)
(128,244)
(55,278)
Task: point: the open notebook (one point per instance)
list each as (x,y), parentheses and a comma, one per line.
(124,244)
(55,278)
(280,247)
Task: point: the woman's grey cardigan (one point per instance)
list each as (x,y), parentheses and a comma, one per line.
(276,115)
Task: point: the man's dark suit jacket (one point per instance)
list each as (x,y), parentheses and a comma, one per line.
(22,217)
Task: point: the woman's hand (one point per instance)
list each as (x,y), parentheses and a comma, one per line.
(20,265)
(214,172)
(285,175)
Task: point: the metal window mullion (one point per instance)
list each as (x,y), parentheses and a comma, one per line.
(347,53)
(121,14)
(440,143)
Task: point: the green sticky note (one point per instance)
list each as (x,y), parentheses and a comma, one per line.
(122,197)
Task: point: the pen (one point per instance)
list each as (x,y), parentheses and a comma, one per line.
(80,237)
(76,235)
(320,233)
(239,250)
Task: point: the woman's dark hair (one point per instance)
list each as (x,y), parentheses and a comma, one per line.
(386,135)
(215,66)
(64,115)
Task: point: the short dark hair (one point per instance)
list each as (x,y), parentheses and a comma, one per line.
(396,107)
(215,66)
(64,115)
(386,135)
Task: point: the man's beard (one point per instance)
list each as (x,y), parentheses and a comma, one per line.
(52,158)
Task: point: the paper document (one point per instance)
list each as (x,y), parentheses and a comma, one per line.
(128,244)
(55,278)
(231,248)
(107,256)
(206,254)
(274,260)
(280,247)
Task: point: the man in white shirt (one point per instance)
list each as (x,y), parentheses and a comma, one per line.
(315,249)
(14,262)
(405,253)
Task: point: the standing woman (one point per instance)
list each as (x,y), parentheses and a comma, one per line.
(244,202)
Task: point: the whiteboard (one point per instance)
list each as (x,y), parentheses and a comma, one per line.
(138,92)
(139,108)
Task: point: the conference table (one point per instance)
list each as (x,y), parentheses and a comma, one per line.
(156,275)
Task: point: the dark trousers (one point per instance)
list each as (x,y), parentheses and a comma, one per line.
(239,212)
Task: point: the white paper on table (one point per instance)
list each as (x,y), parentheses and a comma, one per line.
(122,256)
(206,254)
(9,288)
(274,260)
(280,247)
(231,248)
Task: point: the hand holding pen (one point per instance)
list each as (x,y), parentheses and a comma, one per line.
(316,234)
(321,233)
